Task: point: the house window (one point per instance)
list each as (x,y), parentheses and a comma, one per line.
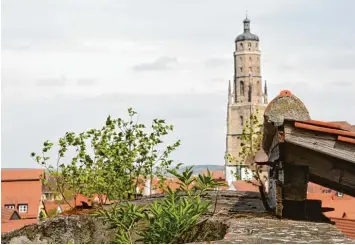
(10,206)
(22,208)
(340,194)
(241,88)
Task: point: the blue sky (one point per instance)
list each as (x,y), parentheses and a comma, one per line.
(66,65)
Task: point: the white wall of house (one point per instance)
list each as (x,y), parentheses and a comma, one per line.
(229,173)
(146,190)
(246,173)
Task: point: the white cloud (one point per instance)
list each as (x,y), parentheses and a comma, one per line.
(187,48)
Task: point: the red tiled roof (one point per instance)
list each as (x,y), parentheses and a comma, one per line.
(50,205)
(347,226)
(242,185)
(314,188)
(344,210)
(22,187)
(21,174)
(8,214)
(16,224)
(342,134)
(217,174)
(345,125)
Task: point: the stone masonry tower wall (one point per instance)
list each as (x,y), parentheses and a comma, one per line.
(245,96)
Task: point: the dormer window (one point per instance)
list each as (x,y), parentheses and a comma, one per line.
(10,206)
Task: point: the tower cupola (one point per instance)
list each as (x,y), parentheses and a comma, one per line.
(247,35)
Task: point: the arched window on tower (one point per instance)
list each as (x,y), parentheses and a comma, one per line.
(256,45)
(241,88)
(241,46)
(249,93)
(241,121)
(250,60)
(249,45)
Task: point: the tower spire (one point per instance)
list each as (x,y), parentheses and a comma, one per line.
(265,93)
(229,87)
(246,24)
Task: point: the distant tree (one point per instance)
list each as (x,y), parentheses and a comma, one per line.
(250,144)
(109,161)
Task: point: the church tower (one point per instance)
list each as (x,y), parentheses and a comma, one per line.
(245,96)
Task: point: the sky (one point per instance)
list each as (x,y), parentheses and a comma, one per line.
(68,64)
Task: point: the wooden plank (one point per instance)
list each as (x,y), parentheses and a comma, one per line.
(321,144)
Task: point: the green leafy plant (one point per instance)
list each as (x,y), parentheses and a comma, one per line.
(169,220)
(108,161)
(125,218)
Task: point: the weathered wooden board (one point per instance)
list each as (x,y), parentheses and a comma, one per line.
(323,143)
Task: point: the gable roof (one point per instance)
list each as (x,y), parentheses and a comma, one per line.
(16,224)
(22,187)
(20,174)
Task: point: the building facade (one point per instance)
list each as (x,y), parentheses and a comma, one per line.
(245,96)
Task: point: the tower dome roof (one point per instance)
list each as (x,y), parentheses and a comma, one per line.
(247,35)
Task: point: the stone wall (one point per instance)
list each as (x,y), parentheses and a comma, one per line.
(239,218)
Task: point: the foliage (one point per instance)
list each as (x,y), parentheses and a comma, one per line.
(124,217)
(250,144)
(251,138)
(168,220)
(108,161)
